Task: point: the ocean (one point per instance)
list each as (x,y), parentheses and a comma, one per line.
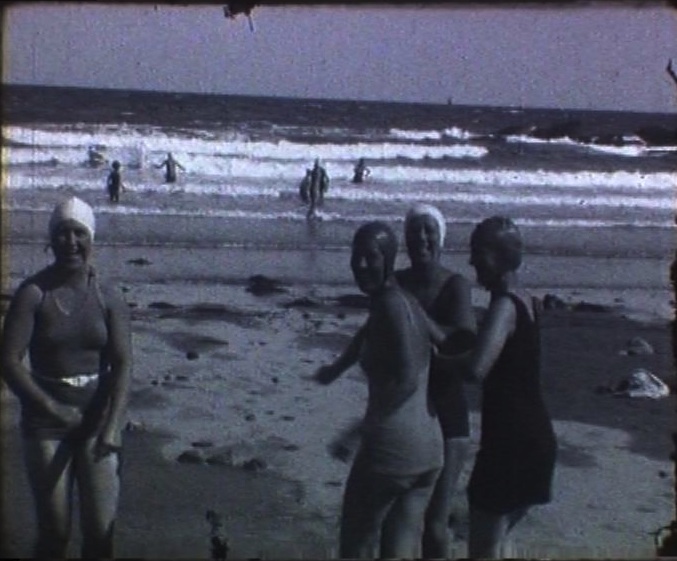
(577,182)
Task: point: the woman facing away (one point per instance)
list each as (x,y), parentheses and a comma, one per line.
(400,453)
(515,464)
(73,395)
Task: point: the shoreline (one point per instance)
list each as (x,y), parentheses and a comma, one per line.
(209,232)
(639,288)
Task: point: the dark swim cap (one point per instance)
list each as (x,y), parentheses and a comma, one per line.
(385,239)
(501,234)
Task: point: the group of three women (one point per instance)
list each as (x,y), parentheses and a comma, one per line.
(417,348)
(414,436)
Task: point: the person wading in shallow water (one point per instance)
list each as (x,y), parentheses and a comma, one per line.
(361,171)
(317,187)
(671,72)
(516,461)
(170,165)
(114,183)
(76,332)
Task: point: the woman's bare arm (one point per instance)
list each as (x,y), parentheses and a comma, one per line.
(455,310)
(330,372)
(120,356)
(17,333)
(497,326)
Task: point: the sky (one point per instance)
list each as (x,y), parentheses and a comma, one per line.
(600,56)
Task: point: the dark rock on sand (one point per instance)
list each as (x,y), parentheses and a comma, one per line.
(134,426)
(638,346)
(191,456)
(589,307)
(192,355)
(552,302)
(255,464)
(303,302)
(221,458)
(260,285)
(353,301)
(139,261)
(202,444)
(161,306)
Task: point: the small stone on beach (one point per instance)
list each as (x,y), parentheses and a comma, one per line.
(222,458)
(552,302)
(589,307)
(303,302)
(255,464)
(638,346)
(139,261)
(161,306)
(202,444)
(190,457)
(260,285)
(192,355)
(134,426)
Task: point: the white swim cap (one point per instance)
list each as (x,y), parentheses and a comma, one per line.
(73,209)
(421,209)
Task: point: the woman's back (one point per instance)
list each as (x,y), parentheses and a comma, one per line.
(402,435)
(512,403)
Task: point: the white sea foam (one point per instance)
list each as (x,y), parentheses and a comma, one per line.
(633,145)
(520,193)
(48,144)
(203,171)
(230,163)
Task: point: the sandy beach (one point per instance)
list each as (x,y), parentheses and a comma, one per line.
(223,417)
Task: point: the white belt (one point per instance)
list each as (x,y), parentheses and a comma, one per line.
(77,381)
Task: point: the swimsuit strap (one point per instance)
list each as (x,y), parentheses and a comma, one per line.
(93,280)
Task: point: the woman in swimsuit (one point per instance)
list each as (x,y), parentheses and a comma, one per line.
(516,460)
(446,297)
(400,454)
(73,397)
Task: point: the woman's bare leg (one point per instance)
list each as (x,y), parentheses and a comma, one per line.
(436,536)
(366,503)
(49,468)
(514,517)
(403,533)
(99,490)
(489,533)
